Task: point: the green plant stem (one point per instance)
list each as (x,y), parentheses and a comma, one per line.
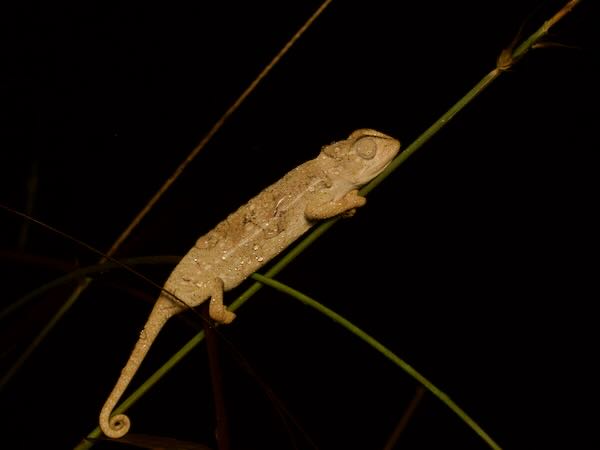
(42,334)
(167,184)
(84,272)
(284,261)
(321,229)
(80,273)
(88,442)
(542,31)
(431,131)
(381,349)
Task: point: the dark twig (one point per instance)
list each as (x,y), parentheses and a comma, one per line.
(212,346)
(403,422)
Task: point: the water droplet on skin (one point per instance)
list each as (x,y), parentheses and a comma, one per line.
(143,334)
(255,247)
(260,258)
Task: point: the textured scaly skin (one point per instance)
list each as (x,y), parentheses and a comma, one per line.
(247,239)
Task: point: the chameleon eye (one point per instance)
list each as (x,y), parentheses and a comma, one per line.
(366,147)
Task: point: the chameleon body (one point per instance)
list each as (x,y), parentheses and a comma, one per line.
(247,239)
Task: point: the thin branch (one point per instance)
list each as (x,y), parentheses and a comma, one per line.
(321,229)
(216,378)
(375,344)
(83,285)
(215,128)
(405,419)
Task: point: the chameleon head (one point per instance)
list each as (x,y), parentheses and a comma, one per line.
(362,156)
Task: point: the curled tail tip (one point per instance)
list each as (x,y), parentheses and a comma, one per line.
(116,427)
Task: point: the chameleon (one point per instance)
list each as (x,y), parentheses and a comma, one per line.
(321,188)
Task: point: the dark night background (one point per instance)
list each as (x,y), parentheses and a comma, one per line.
(476,261)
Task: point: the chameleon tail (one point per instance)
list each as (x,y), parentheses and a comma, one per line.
(118,425)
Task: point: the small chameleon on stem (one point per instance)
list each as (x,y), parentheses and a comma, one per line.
(321,188)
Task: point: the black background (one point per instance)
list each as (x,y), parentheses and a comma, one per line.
(476,261)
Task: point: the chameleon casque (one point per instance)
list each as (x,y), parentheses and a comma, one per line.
(321,188)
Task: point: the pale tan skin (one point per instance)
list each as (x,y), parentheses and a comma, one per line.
(321,188)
